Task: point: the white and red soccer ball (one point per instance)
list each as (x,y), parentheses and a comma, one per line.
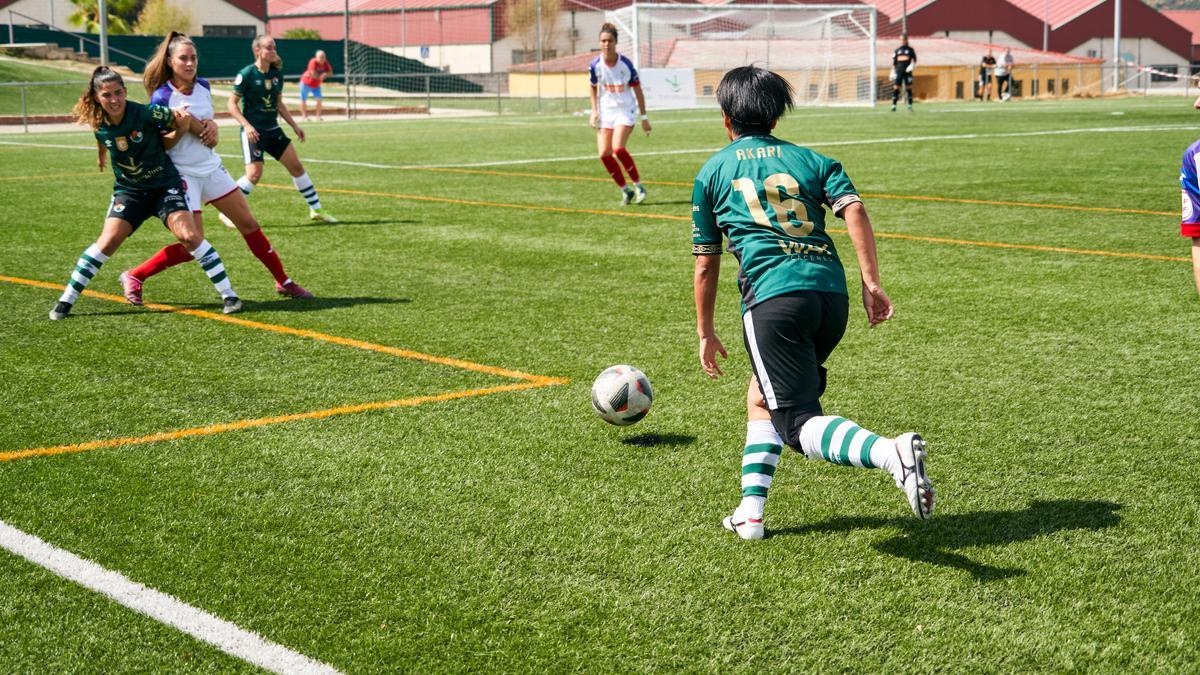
(622,395)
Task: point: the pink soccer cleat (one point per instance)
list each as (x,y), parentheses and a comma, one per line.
(132,287)
(293,290)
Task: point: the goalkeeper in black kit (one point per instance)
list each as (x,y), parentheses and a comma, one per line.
(904,60)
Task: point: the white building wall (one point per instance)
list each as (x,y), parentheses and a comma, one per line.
(210,13)
(996,37)
(456,58)
(1142,51)
(49,12)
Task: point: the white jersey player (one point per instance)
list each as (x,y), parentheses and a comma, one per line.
(171,80)
(617,98)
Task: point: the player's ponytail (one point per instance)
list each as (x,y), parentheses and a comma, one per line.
(258,43)
(158,69)
(610,29)
(87,109)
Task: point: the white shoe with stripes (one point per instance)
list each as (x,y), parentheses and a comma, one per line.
(746,528)
(910,449)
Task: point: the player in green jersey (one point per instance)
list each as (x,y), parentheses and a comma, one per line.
(257,105)
(147,184)
(767,197)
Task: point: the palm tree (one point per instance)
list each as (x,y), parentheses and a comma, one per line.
(87,15)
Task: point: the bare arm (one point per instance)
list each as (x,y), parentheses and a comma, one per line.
(101,155)
(286,114)
(595,118)
(1196,260)
(641,101)
(235,112)
(862,235)
(704,290)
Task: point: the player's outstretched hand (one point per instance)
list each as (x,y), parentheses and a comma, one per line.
(646,126)
(710,346)
(299,132)
(877,303)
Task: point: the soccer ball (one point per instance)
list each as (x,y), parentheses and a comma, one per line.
(622,395)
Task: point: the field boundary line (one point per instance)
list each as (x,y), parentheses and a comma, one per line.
(225,427)
(224,635)
(528,381)
(662,216)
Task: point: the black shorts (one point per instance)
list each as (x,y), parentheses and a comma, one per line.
(902,78)
(788,337)
(135,207)
(985,79)
(271,141)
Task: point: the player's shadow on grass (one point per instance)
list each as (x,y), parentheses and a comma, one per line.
(656,440)
(934,541)
(319,303)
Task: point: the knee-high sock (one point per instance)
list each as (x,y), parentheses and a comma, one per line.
(908,90)
(168,256)
(210,262)
(261,248)
(305,185)
(627,161)
(895,95)
(614,169)
(85,270)
(837,440)
(759,459)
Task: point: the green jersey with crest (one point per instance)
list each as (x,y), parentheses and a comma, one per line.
(260,95)
(767,197)
(135,148)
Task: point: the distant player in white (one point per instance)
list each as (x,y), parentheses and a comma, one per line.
(616,98)
(171,80)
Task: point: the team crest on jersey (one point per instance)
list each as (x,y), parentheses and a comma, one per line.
(136,137)
(172,191)
(238,79)
(122,144)
(118,208)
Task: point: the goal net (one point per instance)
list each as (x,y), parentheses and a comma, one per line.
(827,52)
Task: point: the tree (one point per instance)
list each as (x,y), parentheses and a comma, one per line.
(160,17)
(87,15)
(301,34)
(522,24)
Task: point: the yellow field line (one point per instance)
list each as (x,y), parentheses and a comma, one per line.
(264,421)
(474,202)
(530,381)
(871,195)
(660,216)
(313,335)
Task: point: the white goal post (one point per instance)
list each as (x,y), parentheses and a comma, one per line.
(827,52)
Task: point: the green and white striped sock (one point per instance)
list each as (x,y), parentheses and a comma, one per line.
(839,441)
(210,261)
(85,270)
(759,460)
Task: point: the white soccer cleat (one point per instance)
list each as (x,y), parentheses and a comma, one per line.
(627,195)
(640,195)
(321,217)
(225,219)
(747,528)
(910,449)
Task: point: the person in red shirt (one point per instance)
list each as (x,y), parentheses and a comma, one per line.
(310,82)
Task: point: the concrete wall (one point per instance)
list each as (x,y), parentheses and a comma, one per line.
(459,58)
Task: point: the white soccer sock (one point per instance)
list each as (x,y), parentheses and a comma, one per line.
(837,440)
(305,185)
(245,184)
(759,460)
(85,269)
(212,265)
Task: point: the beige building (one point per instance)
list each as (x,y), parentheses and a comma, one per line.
(218,18)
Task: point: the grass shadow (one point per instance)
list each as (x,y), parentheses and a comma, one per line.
(935,541)
(319,303)
(655,440)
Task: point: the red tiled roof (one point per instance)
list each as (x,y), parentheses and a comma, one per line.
(1060,11)
(282,8)
(721,55)
(1188,18)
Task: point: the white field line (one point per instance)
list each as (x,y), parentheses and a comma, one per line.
(697,151)
(201,625)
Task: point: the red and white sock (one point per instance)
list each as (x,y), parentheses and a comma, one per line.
(261,248)
(168,256)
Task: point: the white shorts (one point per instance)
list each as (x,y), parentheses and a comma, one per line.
(203,190)
(615,118)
